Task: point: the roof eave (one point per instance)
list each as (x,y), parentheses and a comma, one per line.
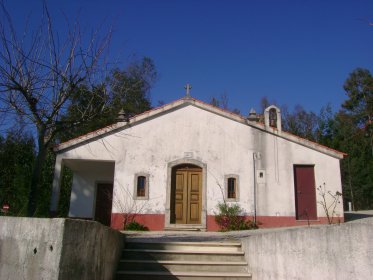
(202,105)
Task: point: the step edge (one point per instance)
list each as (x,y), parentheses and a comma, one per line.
(183,262)
(239,253)
(185,273)
(223,244)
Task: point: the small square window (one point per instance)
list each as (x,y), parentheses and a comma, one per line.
(141,183)
(141,186)
(231,187)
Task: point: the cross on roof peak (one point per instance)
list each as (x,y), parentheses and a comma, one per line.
(188,87)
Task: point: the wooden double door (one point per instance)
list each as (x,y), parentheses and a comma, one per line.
(186,195)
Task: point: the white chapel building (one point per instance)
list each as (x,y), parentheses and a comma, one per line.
(172,165)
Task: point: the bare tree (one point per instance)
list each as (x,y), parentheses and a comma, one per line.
(264,103)
(223,102)
(127,205)
(329,204)
(39,74)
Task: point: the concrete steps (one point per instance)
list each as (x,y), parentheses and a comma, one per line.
(182,260)
(187,246)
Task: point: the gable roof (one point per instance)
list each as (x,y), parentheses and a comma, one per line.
(189,101)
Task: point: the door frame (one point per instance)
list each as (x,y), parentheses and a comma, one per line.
(170,166)
(296,194)
(101,182)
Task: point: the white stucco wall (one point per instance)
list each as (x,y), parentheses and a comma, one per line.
(87,174)
(224,145)
(276,197)
(83,193)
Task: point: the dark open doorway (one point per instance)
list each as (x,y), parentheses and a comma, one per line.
(104,200)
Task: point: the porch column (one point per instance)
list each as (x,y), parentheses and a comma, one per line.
(56,186)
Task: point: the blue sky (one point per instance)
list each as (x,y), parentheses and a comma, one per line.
(293,52)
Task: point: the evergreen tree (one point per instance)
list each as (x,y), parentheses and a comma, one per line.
(354,131)
(127,90)
(17,155)
(300,122)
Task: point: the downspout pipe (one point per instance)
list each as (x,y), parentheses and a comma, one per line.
(254,162)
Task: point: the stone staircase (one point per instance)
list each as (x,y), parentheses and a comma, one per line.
(182,260)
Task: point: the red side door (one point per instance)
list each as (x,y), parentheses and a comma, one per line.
(104,200)
(305,192)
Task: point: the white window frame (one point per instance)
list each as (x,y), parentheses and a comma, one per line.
(137,175)
(226,177)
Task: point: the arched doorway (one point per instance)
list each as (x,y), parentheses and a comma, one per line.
(186,194)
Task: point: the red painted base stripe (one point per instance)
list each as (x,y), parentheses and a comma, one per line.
(152,221)
(157,221)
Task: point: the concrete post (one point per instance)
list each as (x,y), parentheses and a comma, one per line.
(56,185)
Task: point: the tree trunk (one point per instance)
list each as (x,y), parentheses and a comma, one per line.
(36,175)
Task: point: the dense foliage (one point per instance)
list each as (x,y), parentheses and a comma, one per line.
(17,155)
(16,160)
(230,217)
(135,226)
(127,90)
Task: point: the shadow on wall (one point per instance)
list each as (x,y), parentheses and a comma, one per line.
(30,248)
(39,248)
(146,264)
(7,268)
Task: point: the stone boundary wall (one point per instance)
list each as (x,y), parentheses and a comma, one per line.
(34,248)
(340,252)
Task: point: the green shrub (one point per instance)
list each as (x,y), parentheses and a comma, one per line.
(135,226)
(230,218)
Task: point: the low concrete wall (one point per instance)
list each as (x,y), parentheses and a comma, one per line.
(318,252)
(32,248)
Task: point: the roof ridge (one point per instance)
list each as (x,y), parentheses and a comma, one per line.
(181,101)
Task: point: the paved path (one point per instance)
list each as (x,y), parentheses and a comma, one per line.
(169,236)
(357,215)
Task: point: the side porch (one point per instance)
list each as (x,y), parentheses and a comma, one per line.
(91,191)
